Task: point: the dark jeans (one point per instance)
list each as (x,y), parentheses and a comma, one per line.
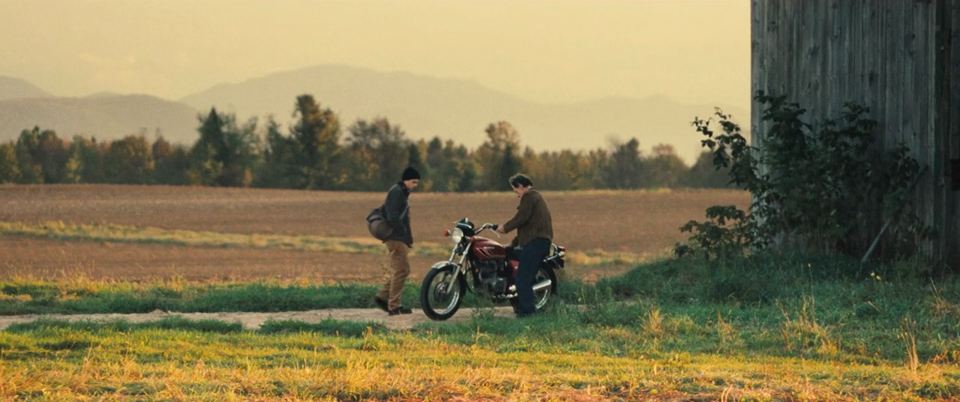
(531,254)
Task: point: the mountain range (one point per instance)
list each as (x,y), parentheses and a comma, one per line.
(423,106)
(12,88)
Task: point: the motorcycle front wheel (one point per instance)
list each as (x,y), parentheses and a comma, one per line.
(438,299)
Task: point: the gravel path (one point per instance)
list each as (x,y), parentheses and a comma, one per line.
(252,321)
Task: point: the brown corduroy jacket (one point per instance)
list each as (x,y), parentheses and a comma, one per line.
(532,220)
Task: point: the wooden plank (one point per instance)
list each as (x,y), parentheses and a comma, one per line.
(758,35)
(931,128)
(873,58)
(884,53)
(913,108)
(951,140)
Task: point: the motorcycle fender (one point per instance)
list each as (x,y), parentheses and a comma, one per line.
(555,262)
(456,268)
(443,264)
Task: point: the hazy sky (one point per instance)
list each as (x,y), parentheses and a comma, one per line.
(696,51)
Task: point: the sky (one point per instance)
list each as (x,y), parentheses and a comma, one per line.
(557,51)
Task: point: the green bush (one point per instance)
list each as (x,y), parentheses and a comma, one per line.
(822,189)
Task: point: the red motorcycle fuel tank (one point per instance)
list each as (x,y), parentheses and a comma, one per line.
(486,249)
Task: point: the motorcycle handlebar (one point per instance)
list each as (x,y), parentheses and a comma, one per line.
(486,226)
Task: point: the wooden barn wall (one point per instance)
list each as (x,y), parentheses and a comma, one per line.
(887,55)
(950,116)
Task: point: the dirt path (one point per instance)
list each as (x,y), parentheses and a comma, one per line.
(252,321)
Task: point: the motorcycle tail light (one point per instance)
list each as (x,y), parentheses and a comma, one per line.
(446,233)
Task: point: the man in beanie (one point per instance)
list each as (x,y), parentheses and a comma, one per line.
(397,213)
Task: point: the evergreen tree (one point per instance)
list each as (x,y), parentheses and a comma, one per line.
(280,165)
(226,154)
(172,162)
(206,164)
(28,157)
(624,169)
(451,166)
(509,166)
(317,133)
(84,161)
(464,168)
(596,162)
(90,154)
(240,153)
(52,155)
(9,169)
(73,169)
(416,161)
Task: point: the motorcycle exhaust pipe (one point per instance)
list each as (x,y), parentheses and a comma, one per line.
(537,286)
(542,284)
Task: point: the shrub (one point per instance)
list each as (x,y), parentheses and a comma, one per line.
(822,189)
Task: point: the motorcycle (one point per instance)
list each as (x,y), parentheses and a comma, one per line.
(487,268)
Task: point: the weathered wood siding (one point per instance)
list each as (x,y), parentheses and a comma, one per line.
(949,114)
(901,58)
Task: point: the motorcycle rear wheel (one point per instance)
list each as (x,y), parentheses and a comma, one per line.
(438,299)
(540,297)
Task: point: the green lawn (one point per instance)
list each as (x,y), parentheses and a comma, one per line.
(761,328)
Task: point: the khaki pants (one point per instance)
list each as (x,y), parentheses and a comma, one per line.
(395,273)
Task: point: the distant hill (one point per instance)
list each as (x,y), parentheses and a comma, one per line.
(105,116)
(13,88)
(424,106)
(457,109)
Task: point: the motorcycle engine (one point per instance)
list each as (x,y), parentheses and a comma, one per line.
(489,275)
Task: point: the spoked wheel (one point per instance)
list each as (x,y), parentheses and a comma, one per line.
(540,297)
(438,299)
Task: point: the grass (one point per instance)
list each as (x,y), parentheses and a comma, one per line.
(18,297)
(35,297)
(563,355)
(171,323)
(327,326)
(767,327)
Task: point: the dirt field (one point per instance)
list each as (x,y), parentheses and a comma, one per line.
(52,259)
(642,222)
(40,259)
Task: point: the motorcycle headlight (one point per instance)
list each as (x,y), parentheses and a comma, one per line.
(456,235)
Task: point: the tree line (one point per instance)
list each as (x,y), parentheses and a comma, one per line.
(316,153)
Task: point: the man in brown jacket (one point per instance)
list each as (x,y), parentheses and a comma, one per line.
(534,235)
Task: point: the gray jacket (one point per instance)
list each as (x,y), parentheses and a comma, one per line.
(397,212)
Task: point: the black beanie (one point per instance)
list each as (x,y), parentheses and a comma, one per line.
(410,173)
